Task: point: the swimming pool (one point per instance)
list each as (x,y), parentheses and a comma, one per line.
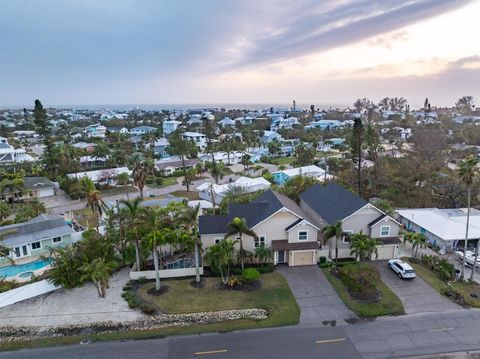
(14,270)
(181,263)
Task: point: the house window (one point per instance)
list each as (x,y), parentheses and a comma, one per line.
(346,236)
(384,231)
(302,235)
(260,241)
(36,245)
(56,239)
(217,240)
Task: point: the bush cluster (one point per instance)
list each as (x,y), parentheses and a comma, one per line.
(358,277)
(250,275)
(441,267)
(131,299)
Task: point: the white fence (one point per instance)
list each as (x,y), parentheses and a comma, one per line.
(165,273)
(25,292)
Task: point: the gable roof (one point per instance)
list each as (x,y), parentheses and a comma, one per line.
(37,183)
(254,212)
(332,202)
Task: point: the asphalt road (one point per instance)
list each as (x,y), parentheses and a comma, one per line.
(392,337)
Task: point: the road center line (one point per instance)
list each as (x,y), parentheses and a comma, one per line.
(211,352)
(330,340)
(439,330)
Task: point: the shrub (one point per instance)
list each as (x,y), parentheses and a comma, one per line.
(325,265)
(250,274)
(148,309)
(159,181)
(441,267)
(322,259)
(266,268)
(233,282)
(358,277)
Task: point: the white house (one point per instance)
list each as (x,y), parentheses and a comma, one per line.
(269,136)
(106,176)
(170,126)
(199,138)
(442,227)
(142,130)
(97,130)
(283,123)
(9,154)
(207,190)
(226,122)
(223,157)
(280,177)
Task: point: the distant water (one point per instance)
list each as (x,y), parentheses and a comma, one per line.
(171,107)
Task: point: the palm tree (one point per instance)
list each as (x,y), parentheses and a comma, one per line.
(220,256)
(330,231)
(263,254)
(124,180)
(99,271)
(363,247)
(157,223)
(4,211)
(238,226)
(139,176)
(467,171)
(418,240)
(93,198)
(5,251)
(189,218)
(132,213)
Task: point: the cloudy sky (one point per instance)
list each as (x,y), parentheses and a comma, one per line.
(230,51)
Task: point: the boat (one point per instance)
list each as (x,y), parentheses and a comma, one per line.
(469,258)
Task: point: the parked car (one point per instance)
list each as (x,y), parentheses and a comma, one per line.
(403,269)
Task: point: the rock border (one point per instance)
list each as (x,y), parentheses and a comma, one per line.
(14,334)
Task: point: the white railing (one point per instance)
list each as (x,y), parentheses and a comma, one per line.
(25,292)
(165,273)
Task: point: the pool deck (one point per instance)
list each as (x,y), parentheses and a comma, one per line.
(22,261)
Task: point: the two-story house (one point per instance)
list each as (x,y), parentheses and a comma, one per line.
(279,223)
(327,204)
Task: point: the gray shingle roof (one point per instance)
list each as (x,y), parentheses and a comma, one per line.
(41,227)
(37,183)
(332,202)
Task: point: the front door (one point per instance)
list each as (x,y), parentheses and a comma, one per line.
(281,256)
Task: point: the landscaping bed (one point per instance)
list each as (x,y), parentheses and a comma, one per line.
(362,290)
(458,292)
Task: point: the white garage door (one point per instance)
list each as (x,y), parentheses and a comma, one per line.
(385,252)
(303,258)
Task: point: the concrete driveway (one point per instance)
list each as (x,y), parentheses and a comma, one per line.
(417,296)
(318,301)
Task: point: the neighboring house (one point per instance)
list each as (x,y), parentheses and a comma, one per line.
(280,177)
(97,131)
(24,134)
(89,147)
(142,130)
(170,126)
(269,136)
(8,154)
(219,191)
(330,203)
(160,147)
(105,176)
(114,129)
(39,187)
(444,228)
(92,161)
(172,164)
(464,119)
(279,223)
(223,157)
(324,125)
(283,123)
(226,122)
(34,238)
(199,138)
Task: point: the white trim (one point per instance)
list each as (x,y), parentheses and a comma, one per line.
(304,221)
(39,243)
(347,231)
(369,205)
(259,242)
(292,253)
(53,239)
(217,240)
(283,209)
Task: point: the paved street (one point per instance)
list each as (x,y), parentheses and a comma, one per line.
(318,301)
(390,337)
(417,296)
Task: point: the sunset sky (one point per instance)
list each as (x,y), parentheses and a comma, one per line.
(228,51)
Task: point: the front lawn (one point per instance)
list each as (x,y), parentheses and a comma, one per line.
(193,195)
(283,161)
(465,289)
(389,304)
(275,296)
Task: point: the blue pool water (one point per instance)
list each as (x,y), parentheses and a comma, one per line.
(181,263)
(12,271)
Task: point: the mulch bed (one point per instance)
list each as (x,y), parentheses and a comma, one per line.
(366,296)
(196,284)
(155,293)
(243,287)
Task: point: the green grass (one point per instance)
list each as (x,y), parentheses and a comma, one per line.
(283,160)
(389,305)
(117,190)
(193,194)
(463,288)
(274,296)
(85,216)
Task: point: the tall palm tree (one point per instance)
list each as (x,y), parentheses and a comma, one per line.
(467,172)
(159,230)
(331,231)
(238,226)
(363,247)
(139,176)
(189,218)
(93,198)
(98,271)
(418,240)
(124,180)
(132,213)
